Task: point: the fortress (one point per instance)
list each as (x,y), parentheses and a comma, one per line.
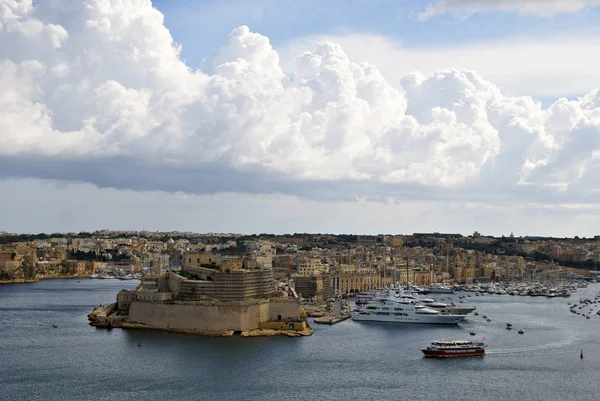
(222,301)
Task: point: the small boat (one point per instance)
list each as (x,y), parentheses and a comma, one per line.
(521,332)
(55,326)
(484,316)
(472,333)
(508,324)
(508,328)
(476,313)
(489,320)
(457,348)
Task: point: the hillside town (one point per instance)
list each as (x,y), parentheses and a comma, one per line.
(319,265)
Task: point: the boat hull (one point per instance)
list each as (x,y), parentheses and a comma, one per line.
(451,353)
(435,319)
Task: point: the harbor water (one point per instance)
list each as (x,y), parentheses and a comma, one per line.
(49,352)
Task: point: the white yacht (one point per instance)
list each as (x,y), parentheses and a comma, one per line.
(439,306)
(369,296)
(401,310)
(439,289)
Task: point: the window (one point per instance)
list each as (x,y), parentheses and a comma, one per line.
(383,313)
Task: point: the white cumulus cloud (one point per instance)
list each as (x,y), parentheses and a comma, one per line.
(541,8)
(96,91)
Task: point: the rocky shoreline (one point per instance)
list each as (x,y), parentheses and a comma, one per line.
(20,281)
(107,316)
(39,278)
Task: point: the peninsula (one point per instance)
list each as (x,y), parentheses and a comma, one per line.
(223,301)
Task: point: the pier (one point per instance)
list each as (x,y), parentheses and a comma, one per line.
(339,311)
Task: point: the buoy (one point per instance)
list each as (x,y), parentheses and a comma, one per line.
(581,354)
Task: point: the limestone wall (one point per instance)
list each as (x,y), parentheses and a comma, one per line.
(124,298)
(212,315)
(153,296)
(287,308)
(225,286)
(188,316)
(283,326)
(175,281)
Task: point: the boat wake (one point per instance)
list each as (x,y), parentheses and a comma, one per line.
(574,337)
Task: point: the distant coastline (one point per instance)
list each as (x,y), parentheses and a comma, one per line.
(37,279)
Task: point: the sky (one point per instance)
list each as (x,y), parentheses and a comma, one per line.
(276,116)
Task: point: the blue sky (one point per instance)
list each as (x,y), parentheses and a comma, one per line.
(201,25)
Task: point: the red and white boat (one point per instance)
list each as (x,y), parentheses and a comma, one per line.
(449,349)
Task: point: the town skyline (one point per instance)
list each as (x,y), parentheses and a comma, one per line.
(258,234)
(434,257)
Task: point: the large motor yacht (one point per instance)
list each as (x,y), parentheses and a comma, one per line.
(364,298)
(396,309)
(439,306)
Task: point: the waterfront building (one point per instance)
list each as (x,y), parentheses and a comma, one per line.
(314,286)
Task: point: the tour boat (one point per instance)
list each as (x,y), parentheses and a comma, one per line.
(448,349)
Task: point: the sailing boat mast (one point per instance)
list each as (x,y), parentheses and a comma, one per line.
(406,251)
(395,271)
(447,260)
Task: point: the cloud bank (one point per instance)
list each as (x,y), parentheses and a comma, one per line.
(96,91)
(541,8)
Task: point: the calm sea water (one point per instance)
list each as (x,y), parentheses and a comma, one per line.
(358,361)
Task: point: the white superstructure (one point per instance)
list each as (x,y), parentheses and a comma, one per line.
(396,309)
(439,306)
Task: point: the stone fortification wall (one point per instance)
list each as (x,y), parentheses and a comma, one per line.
(287,308)
(225,286)
(152,296)
(196,316)
(195,290)
(174,282)
(163,284)
(124,299)
(314,285)
(239,285)
(213,316)
(201,273)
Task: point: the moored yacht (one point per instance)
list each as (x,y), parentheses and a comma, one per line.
(395,309)
(438,288)
(439,306)
(369,296)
